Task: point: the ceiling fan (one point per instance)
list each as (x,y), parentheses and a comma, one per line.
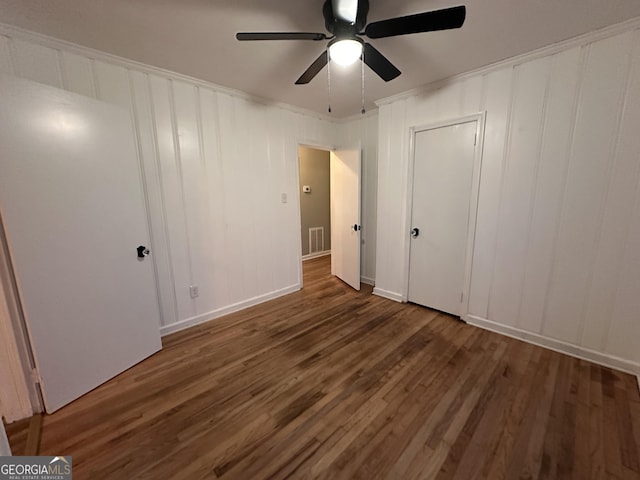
(346,19)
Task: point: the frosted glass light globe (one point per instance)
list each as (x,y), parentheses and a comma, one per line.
(345,52)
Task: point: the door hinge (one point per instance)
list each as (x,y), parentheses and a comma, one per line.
(461,296)
(35,376)
(475,139)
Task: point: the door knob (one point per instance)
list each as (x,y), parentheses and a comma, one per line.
(143,251)
(355,227)
(415,232)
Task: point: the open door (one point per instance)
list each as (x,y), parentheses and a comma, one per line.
(73,211)
(345,216)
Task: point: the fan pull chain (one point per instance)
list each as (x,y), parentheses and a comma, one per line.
(362,70)
(329,79)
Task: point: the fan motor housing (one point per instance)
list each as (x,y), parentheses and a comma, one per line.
(341,28)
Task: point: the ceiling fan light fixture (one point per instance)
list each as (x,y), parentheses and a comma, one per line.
(345,52)
(346,22)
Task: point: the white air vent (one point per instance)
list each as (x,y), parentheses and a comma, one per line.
(316,240)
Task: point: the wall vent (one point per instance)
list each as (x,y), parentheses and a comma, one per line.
(316,240)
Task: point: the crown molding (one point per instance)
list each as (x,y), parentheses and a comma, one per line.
(58,44)
(580,40)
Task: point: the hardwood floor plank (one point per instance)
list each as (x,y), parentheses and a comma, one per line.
(582,421)
(526,458)
(612,441)
(34,436)
(439,379)
(423,443)
(596,463)
(17,434)
(629,447)
(332,383)
(474,451)
(511,413)
(480,382)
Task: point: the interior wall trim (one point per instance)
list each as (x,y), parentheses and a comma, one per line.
(20,399)
(212,315)
(15,403)
(580,40)
(396,297)
(58,44)
(557,345)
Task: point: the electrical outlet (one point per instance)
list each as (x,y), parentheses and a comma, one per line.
(194,291)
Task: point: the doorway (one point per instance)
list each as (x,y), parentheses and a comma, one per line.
(315,202)
(329,198)
(443,208)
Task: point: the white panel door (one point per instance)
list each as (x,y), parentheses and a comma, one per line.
(345,216)
(442,184)
(72,205)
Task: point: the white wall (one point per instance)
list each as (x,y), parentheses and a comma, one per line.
(215,164)
(363,131)
(556,258)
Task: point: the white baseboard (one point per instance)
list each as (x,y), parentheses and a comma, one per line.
(557,345)
(205,317)
(387,294)
(316,255)
(368,281)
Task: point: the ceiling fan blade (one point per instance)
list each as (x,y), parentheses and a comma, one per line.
(313,70)
(444,19)
(379,63)
(346,10)
(280,36)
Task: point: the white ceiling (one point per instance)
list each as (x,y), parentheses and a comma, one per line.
(196,38)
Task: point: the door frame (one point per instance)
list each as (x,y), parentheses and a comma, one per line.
(480,119)
(318,146)
(26,397)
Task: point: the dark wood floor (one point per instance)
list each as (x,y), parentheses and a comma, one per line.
(331,383)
